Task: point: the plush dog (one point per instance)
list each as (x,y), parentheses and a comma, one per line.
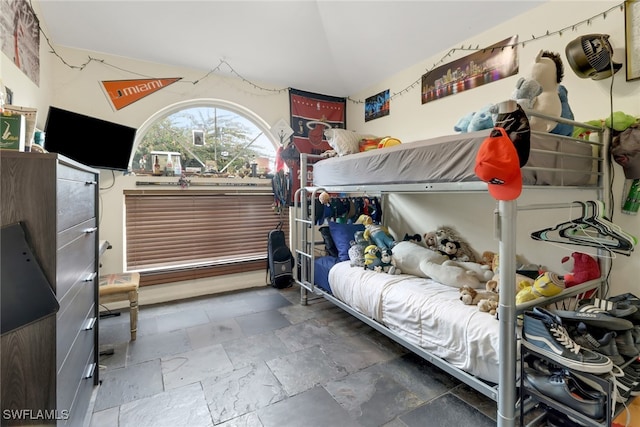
(470,296)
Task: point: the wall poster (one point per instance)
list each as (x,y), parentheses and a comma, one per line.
(376,106)
(482,67)
(20,36)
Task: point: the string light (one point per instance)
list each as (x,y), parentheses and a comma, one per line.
(407,89)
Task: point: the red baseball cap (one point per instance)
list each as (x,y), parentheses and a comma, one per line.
(498,164)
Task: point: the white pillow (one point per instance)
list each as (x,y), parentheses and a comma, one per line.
(344,141)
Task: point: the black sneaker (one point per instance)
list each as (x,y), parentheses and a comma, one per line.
(606,345)
(542,332)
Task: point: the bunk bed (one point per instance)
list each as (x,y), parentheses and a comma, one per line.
(444,164)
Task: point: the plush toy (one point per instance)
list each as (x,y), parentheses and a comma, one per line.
(463,124)
(471,296)
(376,233)
(356,250)
(415,238)
(431,240)
(379,260)
(488,306)
(545,72)
(526,91)
(563,128)
(546,285)
(464,251)
(477,120)
(582,268)
(419,261)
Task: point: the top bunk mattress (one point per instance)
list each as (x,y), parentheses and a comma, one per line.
(553,160)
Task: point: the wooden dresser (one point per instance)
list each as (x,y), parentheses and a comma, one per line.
(51,366)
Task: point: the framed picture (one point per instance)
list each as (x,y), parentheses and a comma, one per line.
(632,38)
(198,138)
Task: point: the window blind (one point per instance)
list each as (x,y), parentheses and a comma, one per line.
(173,236)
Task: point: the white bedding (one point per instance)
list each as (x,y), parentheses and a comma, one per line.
(427,313)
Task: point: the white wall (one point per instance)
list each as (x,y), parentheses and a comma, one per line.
(409,120)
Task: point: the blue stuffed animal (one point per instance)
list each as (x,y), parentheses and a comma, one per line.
(562,128)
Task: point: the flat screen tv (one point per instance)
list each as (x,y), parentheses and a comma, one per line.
(88,140)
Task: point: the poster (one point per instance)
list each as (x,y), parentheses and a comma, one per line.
(20,36)
(376,106)
(482,67)
(311,115)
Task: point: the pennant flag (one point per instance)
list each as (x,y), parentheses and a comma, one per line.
(125,92)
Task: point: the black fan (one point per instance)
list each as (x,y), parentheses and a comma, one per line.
(591,56)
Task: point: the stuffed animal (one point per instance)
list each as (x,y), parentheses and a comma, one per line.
(582,268)
(488,306)
(563,128)
(547,284)
(545,72)
(419,261)
(356,250)
(482,119)
(477,120)
(526,91)
(415,238)
(376,233)
(379,260)
(471,296)
(464,251)
(431,240)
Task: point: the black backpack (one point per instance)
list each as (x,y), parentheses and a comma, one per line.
(280,260)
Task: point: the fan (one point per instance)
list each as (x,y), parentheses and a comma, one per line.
(591,56)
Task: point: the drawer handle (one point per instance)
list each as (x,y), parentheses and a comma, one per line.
(89,372)
(90,182)
(90,324)
(90,230)
(90,277)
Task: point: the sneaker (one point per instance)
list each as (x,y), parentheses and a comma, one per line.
(626,344)
(606,345)
(542,332)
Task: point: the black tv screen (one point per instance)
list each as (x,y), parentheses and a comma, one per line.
(88,140)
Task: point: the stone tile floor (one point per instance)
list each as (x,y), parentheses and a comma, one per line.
(259,358)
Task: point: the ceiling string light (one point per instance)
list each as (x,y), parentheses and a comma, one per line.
(407,89)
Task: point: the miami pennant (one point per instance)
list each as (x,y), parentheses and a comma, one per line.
(125,92)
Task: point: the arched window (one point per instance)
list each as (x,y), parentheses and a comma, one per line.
(219,223)
(211,137)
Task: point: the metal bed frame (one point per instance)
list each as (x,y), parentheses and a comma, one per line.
(303,241)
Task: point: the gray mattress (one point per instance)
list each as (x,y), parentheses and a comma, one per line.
(451,158)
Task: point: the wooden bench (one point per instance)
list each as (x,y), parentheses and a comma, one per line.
(121,287)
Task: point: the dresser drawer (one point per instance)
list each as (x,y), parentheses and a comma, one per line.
(76,201)
(76,260)
(72,373)
(78,316)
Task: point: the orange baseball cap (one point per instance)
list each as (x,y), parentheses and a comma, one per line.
(498,164)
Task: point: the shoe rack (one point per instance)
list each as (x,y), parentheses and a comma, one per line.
(528,393)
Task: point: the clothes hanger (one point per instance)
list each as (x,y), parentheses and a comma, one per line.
(590,229)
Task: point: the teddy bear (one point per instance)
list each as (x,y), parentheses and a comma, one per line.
(525,92)
(379,260)
(545,72)
(487,301)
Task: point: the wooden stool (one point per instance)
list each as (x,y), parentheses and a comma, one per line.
(121,287)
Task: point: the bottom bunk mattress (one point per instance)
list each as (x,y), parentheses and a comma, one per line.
(426,313)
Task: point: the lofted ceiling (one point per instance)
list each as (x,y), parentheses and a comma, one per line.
(325,46)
